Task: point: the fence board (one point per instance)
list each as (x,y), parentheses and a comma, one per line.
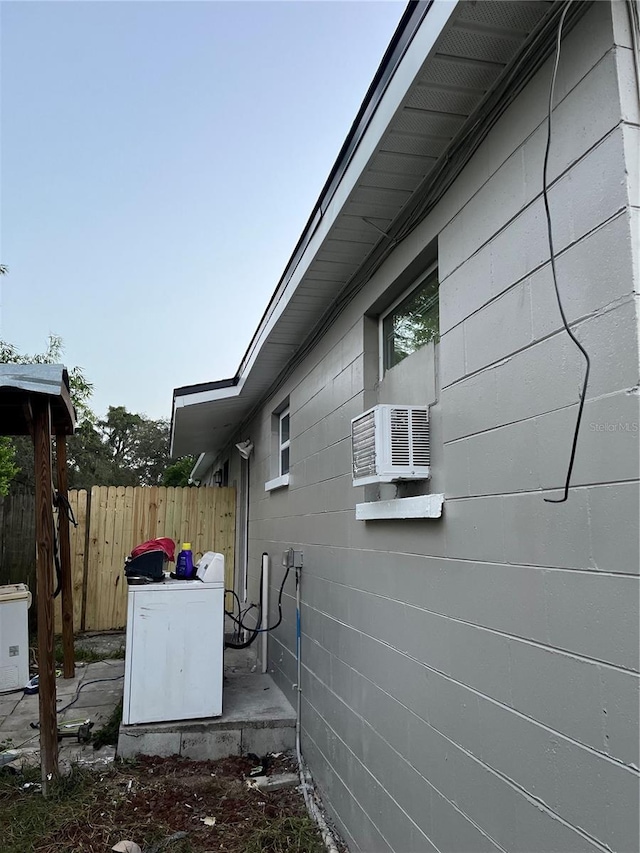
(78,501)
(111,522)
(201,516)
(18,540)
(97,537)
(77,535)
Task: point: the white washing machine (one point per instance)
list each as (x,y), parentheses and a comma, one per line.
(175,648)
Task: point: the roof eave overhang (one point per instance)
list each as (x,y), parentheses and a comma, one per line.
(357,205)
(197,403)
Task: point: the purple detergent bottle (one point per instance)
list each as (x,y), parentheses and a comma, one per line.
(184,563)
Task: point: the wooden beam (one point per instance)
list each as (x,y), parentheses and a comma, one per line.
(44,591)
(64,546)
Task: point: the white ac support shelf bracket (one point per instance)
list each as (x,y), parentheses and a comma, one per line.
(422,506)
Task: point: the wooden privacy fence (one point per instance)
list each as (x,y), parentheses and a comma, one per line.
(18,539)
(112,520)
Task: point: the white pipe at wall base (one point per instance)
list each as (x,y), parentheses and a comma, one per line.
(265,611)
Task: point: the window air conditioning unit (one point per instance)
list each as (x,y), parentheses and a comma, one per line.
(391,443)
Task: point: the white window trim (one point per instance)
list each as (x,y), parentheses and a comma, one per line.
(283,445)
(421,506)
(416,284)
(276,483)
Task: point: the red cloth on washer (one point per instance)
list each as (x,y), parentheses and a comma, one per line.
(161,544)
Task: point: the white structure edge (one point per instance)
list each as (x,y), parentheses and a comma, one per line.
(422,506)
(276,483)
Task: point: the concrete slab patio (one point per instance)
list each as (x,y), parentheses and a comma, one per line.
(256,717)
(91,701)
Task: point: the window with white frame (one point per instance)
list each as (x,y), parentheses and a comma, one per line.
(283,442)
(411,322)
(280,448)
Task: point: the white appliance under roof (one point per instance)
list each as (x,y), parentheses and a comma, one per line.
(15,600)
(175,647)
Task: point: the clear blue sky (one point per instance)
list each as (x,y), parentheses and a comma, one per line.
(159,161)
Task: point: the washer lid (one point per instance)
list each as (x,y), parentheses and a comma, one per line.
(176,585)
(15,592)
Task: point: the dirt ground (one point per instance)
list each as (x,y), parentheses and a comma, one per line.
(171,805)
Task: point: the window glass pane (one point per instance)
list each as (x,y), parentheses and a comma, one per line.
(412,324)
(284,429)
(284,461)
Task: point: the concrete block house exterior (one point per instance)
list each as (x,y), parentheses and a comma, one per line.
(469,648)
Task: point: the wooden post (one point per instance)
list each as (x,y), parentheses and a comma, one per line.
(64,546)
(44,591)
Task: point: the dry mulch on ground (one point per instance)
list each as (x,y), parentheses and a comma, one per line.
(161,804)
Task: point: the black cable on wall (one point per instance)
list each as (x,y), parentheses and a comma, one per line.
(552,253)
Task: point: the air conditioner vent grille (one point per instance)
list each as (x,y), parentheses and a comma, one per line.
(364,445)
(400,437)
(391,443)
(421,438)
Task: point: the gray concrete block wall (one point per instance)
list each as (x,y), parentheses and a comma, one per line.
(471,683)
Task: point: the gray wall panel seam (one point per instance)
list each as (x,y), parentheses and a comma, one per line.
(516,638)
(297,436)
(596,484)
(529,274)
(350,330)
(386,790)
(598,312)
(615,761)
(608,395)
(542,123)
(355,799)
(617,392)
(532,201)
(514,785)
(627,299)
(587,570)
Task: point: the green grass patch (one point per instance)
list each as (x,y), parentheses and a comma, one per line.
(108,734)
(161,804)
(26,817)
(286,834)
(86,655)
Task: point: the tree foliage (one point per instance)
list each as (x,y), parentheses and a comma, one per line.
(8,466)
(121,449)
(16,454)
(413,323)
(178,474)
(81,389)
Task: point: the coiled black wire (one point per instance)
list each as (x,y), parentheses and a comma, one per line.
(254,631)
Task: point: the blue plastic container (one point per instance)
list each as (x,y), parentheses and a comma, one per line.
(184,563)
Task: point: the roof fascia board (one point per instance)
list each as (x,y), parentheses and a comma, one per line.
(211,396)
(416,54)
(203,464)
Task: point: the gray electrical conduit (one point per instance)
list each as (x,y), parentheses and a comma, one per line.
(306,783)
